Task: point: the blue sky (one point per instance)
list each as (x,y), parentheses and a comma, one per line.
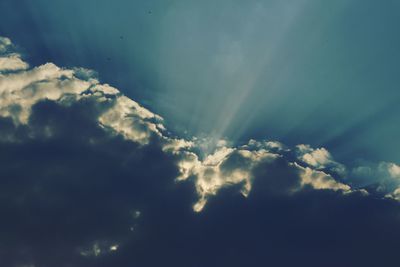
(295,71)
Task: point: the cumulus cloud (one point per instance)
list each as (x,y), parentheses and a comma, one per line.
(22,89)
(319,158)
(226,166)
(239,166)
(320,180)
(131,120)
(382,178)
(89,177)
(12,61)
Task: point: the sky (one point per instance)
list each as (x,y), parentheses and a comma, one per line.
(296,71)
(199,133)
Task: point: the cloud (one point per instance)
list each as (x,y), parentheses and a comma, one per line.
(319,159)
(91,178)
(320,180)
(134,122)
(383,178)
(11,62)
(226,166)
(21,90)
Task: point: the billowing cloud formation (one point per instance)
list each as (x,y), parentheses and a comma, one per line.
(23,88)
(91,178)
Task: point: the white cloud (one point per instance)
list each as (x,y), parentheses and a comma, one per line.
(212,173)
(389,175)
(20,90)
(131,120)
(319,158)
(314,157)
(10,61)
(320,180)
(394,195)
(268,145)
(25,88)
(5,44)
(392,169)
(384,177)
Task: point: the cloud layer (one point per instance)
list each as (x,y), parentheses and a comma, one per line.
(23,88)
(89,177)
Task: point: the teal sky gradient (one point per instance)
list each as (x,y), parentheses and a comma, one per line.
(319,72)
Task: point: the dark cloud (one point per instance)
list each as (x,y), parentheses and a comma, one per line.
(89,178)
(77,186)
(79,190)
